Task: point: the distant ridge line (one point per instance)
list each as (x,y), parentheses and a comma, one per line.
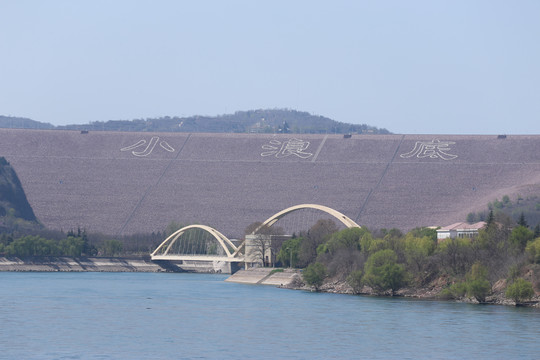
(270,121)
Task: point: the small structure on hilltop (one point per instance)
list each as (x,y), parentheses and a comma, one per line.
(460,230)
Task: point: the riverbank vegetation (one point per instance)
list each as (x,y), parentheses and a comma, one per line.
(75,243)
(504,259)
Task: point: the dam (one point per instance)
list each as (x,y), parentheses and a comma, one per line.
(129,182)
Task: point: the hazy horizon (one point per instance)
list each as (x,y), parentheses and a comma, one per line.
(410,67)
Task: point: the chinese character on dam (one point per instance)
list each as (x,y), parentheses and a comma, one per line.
(431,149)
(145,151)
(281,149)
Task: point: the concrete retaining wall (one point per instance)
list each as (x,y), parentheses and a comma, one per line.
(79,264)
(264,276)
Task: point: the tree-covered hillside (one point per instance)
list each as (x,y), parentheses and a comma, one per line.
(253,121)
(521,209)
(499,263)
(11,122)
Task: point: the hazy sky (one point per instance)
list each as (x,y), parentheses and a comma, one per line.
(445,67)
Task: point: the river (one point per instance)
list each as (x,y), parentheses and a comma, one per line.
(198,316)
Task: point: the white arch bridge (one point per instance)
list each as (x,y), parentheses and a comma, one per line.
(199,245)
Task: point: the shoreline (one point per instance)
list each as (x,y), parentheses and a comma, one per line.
(286,279)
(426,293)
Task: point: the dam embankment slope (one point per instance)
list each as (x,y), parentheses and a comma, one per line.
(128,182)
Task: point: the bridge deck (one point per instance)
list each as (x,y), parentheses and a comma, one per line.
(198,258)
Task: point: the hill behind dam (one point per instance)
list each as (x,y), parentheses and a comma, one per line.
(127,182)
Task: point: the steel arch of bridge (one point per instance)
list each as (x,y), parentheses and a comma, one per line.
(222,240)
(348,222)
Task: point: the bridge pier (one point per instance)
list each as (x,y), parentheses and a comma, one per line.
(236,266)
(168,266)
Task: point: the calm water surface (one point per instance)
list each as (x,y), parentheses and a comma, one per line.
(193,316)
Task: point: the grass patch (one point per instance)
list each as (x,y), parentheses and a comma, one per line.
(275,271)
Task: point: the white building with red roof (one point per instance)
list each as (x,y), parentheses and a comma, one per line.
(460,230)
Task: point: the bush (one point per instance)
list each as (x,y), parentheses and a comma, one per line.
(72,246)
(417,251)
(344,239)
(276,271)
(479,289)
(520,290)
(455,255)
(533,250)
(477,284)
(288,254)
(355,280)
(31,245)
(455,291)
(519,237)
(111,247)
(513,273)
(314,275)
(382,272)
(471,218)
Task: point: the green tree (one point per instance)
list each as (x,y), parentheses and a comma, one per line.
(455,291)
(519,291)
(382,272)
(479,289)
(477,284)
(513,273)
(32,245)
(6,239)
(490,219)
(72,246)
(519,237)
(369,245)
(417,252)
(111,247)
(471,218)
(318,234)
(522,221)
(455,255)
(533,250)
(497,204)
(314,275)
(288,254)
(355,280)
(423,232)
(345,239)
